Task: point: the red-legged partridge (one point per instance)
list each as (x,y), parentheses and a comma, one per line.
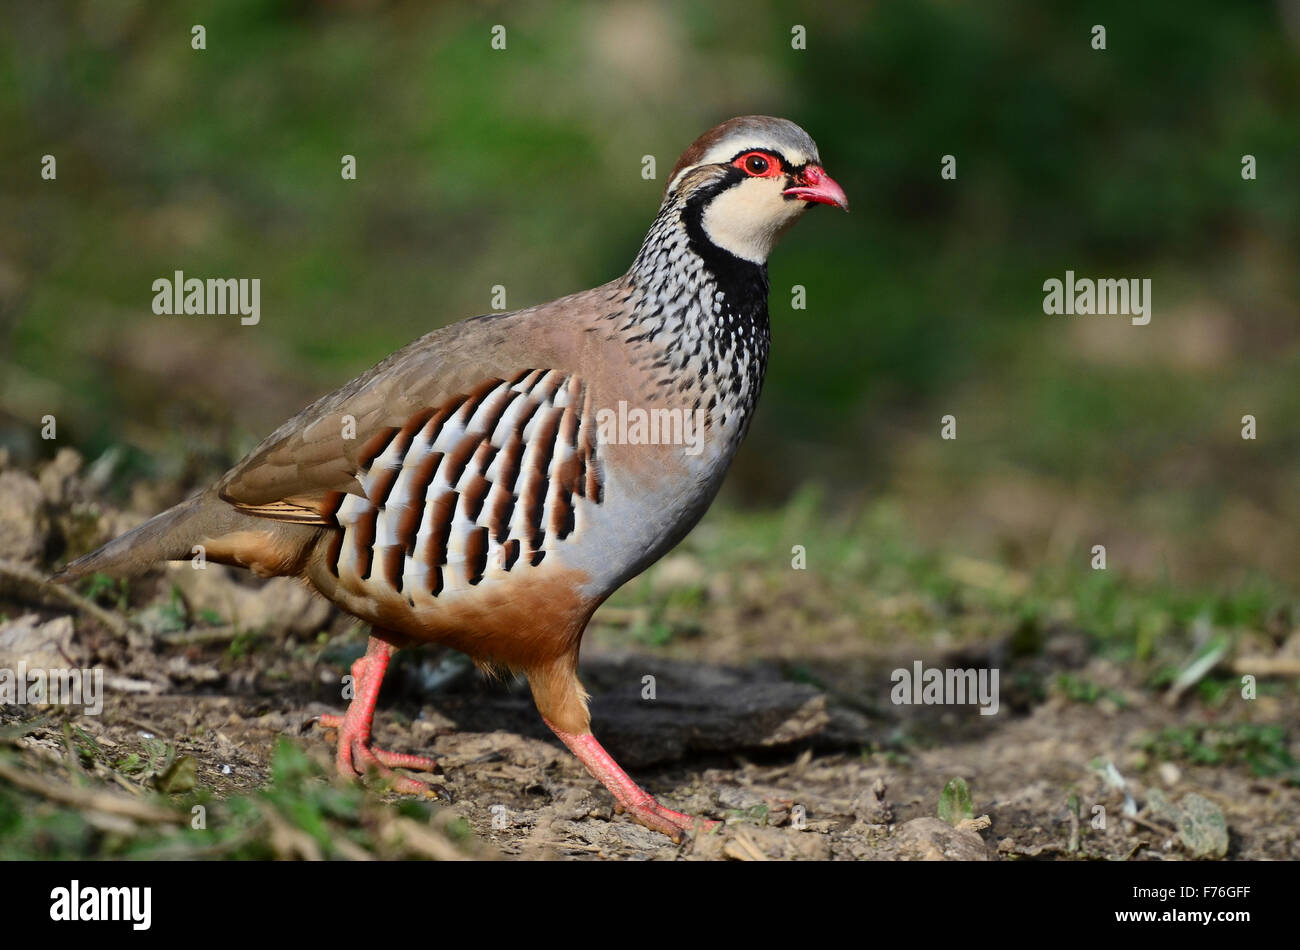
(494,493)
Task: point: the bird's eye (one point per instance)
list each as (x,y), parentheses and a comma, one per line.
(758,165)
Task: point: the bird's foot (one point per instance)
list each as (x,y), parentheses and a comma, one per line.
(629,797)
(356,755)
(660,818)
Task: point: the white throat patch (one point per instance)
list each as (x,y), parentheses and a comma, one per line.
(749,217)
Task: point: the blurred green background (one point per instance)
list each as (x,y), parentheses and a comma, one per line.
(522,167)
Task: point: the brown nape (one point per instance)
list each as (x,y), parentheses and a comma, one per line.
(559,695)
(700,147)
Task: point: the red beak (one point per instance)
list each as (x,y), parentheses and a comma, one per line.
(815,185)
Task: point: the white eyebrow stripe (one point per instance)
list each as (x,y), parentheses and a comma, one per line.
(729,148)
(734,145)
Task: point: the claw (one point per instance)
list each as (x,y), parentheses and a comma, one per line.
(650,814)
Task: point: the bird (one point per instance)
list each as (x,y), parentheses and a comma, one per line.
(475,490)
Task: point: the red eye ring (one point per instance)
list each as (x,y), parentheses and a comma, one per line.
(759,165)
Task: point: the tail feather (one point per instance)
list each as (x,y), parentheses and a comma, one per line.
(164,537)
(229,537)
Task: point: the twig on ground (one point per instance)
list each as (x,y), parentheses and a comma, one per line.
(200,637)
(742,848)
(1266,665)
(48,590)
(89,799)
(421,838)
(572,846)
(1148,825)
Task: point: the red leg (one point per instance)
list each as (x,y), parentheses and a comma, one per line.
(355,752)
(639,804)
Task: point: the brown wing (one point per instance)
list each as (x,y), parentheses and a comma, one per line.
(302,471)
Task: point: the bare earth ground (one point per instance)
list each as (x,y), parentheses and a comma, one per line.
(766,715)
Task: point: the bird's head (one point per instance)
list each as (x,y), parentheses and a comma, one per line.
(745,182)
